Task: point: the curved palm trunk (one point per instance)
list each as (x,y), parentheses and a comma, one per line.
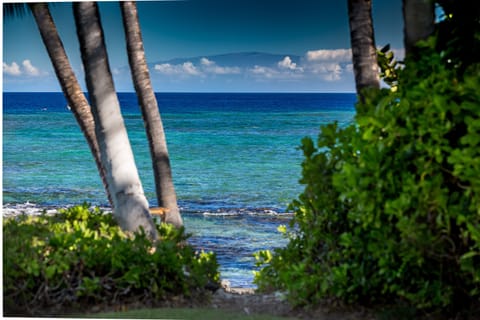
(131,206)
(68,82)
(165,189)
(419,22)
(362,40)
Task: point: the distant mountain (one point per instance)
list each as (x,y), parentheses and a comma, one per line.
(246,72)
(242,59)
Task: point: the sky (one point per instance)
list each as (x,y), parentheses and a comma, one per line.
(211,45)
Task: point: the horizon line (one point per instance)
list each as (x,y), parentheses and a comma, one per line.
(270,92)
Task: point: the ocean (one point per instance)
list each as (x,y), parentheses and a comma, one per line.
(235,161)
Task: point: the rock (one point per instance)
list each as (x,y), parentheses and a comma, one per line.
(250,302)
(225,284)
(241,291)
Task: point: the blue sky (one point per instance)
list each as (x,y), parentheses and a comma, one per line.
(194,45)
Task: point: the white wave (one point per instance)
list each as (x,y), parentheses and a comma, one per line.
(221,214)
(240,212)
(33,209)
(27,208)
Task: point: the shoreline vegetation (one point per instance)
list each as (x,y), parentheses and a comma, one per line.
(39,279)
(80,257)
(37,227)
(41,230)
(46,279)
(234,254)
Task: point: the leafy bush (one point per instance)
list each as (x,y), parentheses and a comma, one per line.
(391,207)
(80,256)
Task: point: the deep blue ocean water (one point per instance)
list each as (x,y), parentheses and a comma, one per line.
(234,156)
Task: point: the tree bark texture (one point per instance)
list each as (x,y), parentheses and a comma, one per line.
(131,206)
(162,171)
(419,22)
(364,52)
(68,82)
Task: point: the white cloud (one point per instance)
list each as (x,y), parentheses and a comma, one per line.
(326,65)
(205,62)
(328,71)
(288,64)
(334,73)
(13,69)
(211,67)
(190,69)
(342,55)
(285,69)
(27,69)
(329,65)
(185,69)
(332,65)
(165,68)
(339,55)
(224,70)
(30,69)
(264,71)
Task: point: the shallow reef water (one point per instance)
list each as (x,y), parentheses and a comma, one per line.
(235,162)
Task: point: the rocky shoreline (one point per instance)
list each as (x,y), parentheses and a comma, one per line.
(248,301)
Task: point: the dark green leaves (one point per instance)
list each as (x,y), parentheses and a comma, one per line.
(390,210)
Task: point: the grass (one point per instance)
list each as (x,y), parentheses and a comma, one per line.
(183,313)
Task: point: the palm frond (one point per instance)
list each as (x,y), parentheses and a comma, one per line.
(15,10)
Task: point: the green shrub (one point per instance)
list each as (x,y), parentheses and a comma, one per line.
(80,256)
(391,208)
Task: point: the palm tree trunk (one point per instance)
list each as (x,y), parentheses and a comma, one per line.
(69,83)
(362,40)
(419,22)
(165,189)
(131,206)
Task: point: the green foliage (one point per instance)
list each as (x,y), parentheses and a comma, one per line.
(388,67)
(81,256)
(391,207)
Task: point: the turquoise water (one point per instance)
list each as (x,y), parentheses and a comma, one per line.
(235,161)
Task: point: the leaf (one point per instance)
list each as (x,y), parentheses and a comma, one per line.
(469,255)
(368,134)
(50,271)
(307,146)
(386,48)
(282,229)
